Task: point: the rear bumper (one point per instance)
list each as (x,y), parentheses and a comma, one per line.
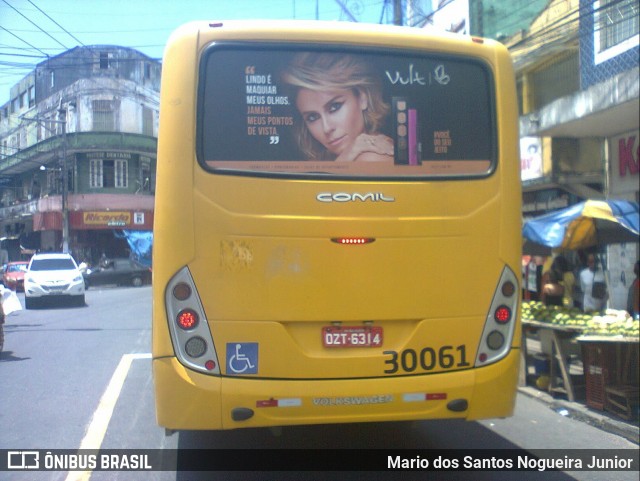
(14,285)
(37,291)
(189,400)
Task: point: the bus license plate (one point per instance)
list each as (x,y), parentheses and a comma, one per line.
(352,336)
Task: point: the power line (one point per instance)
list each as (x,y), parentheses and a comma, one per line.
(63,29)
(554,30)
(23,40)
(34,24)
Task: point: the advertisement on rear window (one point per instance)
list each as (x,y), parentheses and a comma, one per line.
(352,114)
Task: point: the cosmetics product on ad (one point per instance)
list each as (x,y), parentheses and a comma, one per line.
(401,130)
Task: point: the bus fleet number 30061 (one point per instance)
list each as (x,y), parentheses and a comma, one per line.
(408,360)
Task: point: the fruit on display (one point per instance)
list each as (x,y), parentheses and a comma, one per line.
(543,382)
(612,323)
(537,311)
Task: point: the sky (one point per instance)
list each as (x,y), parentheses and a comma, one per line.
(32,29)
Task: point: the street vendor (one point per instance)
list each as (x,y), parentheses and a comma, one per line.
(633,300)
(589,277)
(1,327)
(553,291)
(567,280)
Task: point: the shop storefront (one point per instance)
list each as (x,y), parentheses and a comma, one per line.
(623,184)
(92,232)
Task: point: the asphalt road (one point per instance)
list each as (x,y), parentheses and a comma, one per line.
(80,377)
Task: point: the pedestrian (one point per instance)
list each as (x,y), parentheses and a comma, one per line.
(634,294)
(592,283)
(533,279)
(552,291)
(1,326)
(567,279)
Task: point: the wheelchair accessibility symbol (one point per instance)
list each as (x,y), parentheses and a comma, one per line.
(242,358)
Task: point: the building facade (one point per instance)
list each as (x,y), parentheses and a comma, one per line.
(578,83)
(78,153)
(576,65)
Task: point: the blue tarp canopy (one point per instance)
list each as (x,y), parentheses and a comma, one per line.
(586,224)
(141,244)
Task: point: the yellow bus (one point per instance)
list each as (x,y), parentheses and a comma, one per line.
(337,227)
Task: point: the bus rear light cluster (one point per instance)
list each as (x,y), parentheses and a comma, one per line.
(190,334)
(500,323)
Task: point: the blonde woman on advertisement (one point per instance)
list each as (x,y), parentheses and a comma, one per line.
(339,101)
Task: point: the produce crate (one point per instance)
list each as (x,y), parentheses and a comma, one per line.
(599,361)
(621,400)
(621,396)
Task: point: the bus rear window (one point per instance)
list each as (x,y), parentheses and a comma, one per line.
(350,114)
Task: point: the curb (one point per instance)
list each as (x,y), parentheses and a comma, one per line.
(581,412)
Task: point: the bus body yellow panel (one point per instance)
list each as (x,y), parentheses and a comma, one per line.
(322,402)
(309,272)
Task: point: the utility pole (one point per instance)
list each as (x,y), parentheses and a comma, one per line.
(64,174)
(65,183)
(397,12)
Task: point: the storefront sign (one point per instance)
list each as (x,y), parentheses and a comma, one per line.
(531,158)
(111,219)
(628,155)
(542,201)
(138,218)
(108,155)
(625,165)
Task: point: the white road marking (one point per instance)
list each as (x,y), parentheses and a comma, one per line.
(102,415)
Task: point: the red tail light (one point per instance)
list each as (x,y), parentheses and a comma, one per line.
(502,314)
(187,319)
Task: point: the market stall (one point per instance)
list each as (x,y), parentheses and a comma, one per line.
(611,359)
(586,224)
(609,346)
(560,326)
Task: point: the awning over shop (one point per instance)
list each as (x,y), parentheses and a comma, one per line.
(586,224)
(140,243)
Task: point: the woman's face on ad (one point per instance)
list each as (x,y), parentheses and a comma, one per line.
(334,117)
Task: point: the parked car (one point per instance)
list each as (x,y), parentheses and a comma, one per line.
(122,272)
(52,276)
(13,275)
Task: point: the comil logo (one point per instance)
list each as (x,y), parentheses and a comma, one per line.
(353,197)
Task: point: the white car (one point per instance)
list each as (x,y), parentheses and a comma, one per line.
(52,276)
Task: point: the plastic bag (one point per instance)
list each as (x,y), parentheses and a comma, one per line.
(10,301)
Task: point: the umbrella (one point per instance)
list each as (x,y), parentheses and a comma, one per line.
(586,224)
